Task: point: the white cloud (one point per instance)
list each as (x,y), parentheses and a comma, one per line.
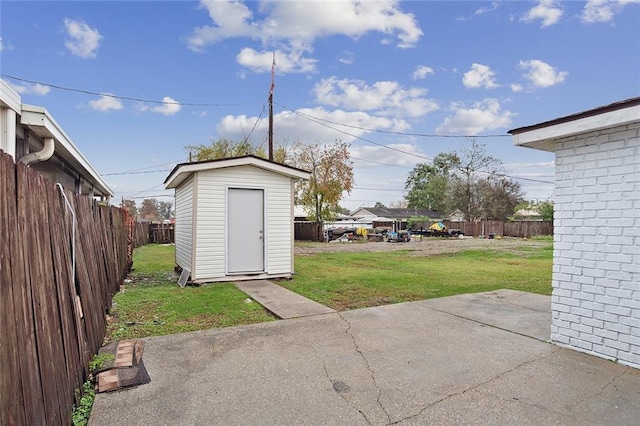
(287,21)
(548,11)
(479,76)
(1,45)
(483,10)
(542,74)
(421,72)
(82,40)
(169,106)
(347,57)
(286,62)
(480,117)
(105,103)
(308,125)
(384,97)
(516,87)
(30,89)
(603,10)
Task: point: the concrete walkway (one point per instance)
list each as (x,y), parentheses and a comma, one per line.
(283,303)
(471,359)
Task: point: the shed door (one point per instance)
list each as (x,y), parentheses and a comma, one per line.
(245,232)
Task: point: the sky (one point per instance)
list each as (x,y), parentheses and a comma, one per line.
(133,83)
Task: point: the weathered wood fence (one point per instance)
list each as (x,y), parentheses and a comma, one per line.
(62,257)
(520,229)
(308,231)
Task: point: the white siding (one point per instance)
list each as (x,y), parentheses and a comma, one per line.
(596,272)
(211,212)
(184,224)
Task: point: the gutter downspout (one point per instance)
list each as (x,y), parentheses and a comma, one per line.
(43,155)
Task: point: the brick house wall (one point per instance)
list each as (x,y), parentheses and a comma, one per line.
(596,272)
(595,302)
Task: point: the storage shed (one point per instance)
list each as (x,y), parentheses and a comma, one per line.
(234,218)
(596,259)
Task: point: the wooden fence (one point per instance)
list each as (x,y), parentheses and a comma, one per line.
(62,257)
(308,231)
(520,229)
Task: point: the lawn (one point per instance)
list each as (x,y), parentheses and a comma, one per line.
(153,304)
(356,280)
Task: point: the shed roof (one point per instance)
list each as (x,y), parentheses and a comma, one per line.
(183,171)
(543,135)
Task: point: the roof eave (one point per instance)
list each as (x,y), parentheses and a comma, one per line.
(181,172)
(42,123)
(542,136)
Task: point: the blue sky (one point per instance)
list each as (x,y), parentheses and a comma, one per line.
(433,68)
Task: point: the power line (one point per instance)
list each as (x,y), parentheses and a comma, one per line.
(424,135)
(126,98)
(133,173)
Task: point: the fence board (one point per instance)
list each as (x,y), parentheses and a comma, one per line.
(45,342)
(11,392)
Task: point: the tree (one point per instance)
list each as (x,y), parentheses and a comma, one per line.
(165,209)
(149,210)
(545,208)
(129,205)
(379,205)
(331,175)
(471,182)
(428,184)
(224,148)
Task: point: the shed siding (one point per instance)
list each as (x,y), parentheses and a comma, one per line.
(596,272)
(184,224)
(212,210)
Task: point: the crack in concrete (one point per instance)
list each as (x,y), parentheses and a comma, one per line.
(488,325)
(366,363)
(601,391)
(326,372)
(474,387)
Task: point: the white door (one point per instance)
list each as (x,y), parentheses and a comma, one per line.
(245,231)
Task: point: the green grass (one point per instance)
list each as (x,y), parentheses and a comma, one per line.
(355,280)
(153,304)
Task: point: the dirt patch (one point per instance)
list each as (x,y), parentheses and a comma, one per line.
(427,247)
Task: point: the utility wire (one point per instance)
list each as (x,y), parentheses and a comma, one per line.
(314,120)
(127,98)
(424,135)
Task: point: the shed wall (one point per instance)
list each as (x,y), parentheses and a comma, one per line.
(210,248)
(596,272)
(184,224)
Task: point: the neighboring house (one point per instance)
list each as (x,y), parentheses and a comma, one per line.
(397,218)
(527,214)
(456,216)
(596,271)
(31,136)
(234,218)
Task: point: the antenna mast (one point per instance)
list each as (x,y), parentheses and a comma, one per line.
(273,70)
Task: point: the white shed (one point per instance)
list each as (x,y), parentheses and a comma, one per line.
(596,258)
(234,218)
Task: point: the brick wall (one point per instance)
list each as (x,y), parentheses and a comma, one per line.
(596,272)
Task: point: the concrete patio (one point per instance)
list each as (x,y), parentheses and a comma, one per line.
(470,359)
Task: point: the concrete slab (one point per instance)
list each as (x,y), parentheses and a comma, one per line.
(409,363)
(283,303)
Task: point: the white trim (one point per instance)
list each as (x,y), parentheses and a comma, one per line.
(183,171)
(9,98)
(543,138)
(42,123)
